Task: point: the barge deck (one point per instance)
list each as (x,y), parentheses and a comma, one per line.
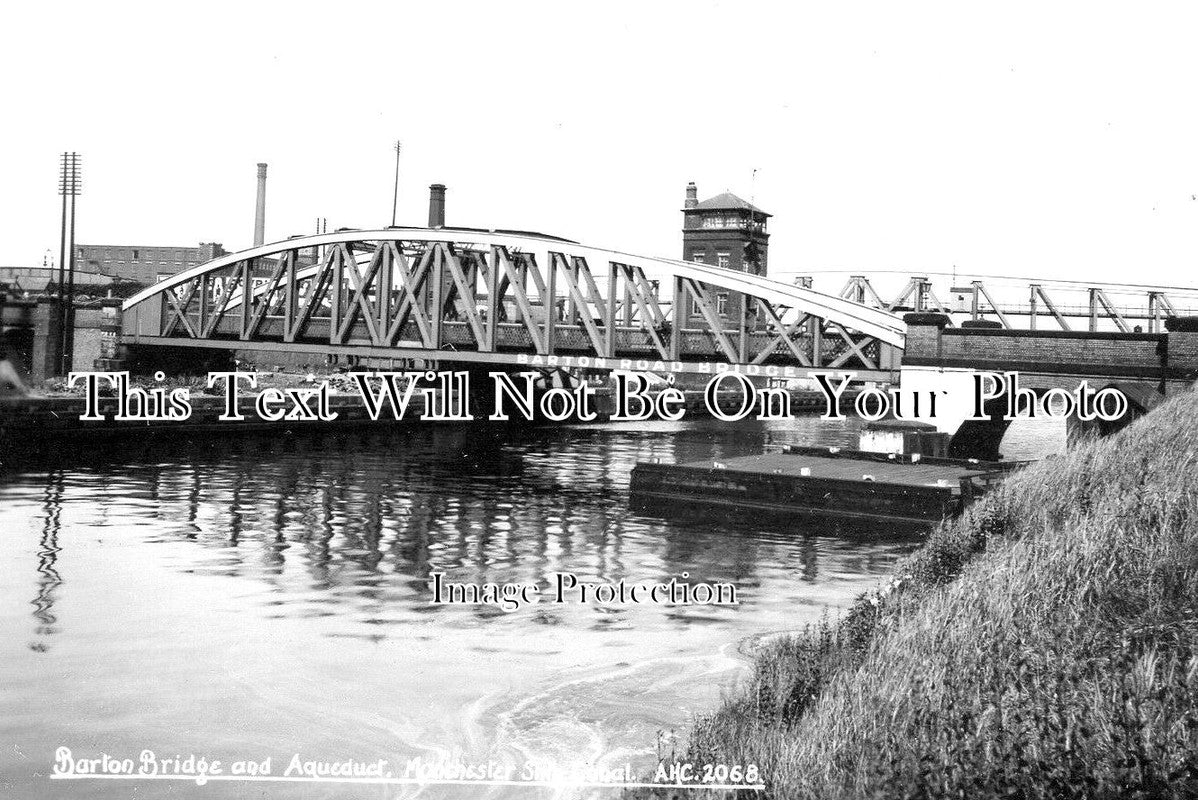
(843,482)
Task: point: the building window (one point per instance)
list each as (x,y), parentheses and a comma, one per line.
(723,259)
(721,304)
(724,221)
(699,258)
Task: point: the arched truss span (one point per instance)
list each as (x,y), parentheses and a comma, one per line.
(414,292)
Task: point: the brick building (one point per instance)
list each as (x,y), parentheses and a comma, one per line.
(35,280)
(143,264)
(724,231)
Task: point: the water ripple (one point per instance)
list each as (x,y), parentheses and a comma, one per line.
(269,595)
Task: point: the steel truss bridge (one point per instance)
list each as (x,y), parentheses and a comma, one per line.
(506,298)
(1096,310)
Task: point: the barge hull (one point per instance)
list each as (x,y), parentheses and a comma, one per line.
(778,492)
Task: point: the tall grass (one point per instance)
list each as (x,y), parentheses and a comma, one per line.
(1041,646)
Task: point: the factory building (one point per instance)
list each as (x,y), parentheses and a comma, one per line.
(146,264)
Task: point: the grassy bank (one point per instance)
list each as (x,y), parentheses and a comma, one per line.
(1041,646)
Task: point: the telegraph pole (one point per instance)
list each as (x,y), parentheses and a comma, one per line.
(62,261)
(395,193)
(69,186)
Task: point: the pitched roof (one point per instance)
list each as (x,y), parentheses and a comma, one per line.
(726,201)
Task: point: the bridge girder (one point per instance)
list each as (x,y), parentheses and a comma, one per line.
(416,290)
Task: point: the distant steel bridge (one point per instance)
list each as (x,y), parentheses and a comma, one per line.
(975,302)
(508,298)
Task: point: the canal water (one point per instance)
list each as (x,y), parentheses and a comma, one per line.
(265,597)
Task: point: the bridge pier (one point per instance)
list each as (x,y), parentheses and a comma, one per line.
(1181,348)
(31,337)
(47,341)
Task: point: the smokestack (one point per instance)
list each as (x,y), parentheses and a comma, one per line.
(260,210)
(692,195)
(436,205)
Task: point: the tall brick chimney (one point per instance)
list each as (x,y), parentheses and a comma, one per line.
(260,209)
(436,205)
(692,195)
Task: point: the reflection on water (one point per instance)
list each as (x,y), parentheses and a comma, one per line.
(254,597)
(47,554)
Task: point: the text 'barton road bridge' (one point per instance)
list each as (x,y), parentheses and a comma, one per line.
(510,299)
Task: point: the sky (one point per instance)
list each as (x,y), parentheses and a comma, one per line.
(1050,140)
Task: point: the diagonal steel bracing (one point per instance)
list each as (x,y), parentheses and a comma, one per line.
(491,294)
